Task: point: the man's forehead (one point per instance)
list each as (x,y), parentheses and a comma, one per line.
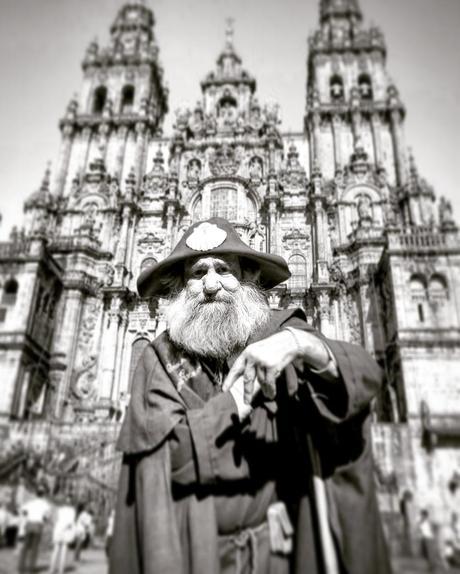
(207,261)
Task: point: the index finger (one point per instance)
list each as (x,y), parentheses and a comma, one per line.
(234,373)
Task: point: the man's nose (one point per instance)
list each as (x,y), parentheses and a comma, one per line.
(211,283)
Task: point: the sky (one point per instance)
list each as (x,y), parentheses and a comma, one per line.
(42,44)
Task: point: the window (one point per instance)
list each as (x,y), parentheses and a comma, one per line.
(417,288)
(365,87)
(421,315)
(136,352)
(336,88)
(100,97)
(224,203)
(437,289)
(418,295)
(10,292)
(227,108)
(297,266)
(127,100)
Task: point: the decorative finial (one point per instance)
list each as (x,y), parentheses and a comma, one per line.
(229,33)
(46,178)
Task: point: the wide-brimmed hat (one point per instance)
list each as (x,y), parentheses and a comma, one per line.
(215,236)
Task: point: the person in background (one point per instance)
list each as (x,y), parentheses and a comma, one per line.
(4,516)
(428,541)
(83,530)
(109,531)
(63,535)
(37,512)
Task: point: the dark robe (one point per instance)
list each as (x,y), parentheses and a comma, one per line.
(195,481)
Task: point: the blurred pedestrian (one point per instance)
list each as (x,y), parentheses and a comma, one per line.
(428,541)
(37,512)
(83,530)
(4,518)
(63,534)
(109,531)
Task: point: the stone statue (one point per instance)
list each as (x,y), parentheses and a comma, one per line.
(255,169)
(364,208)
(193,169)
(446,218)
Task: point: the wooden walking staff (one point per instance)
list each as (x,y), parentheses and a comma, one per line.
(328,551)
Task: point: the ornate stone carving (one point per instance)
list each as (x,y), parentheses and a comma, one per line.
(296,240)
(83,379)
(223,161)
(149,242)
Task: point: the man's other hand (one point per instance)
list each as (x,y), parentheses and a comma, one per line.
(264,360)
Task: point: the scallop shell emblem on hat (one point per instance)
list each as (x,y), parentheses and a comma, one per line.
(206,236)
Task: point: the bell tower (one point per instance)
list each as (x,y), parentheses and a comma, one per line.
(121,104)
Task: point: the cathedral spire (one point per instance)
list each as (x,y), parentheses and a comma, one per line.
(331,9)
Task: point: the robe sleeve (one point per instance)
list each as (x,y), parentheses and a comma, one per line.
(359,379)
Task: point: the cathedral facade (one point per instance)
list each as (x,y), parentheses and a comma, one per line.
(374,254)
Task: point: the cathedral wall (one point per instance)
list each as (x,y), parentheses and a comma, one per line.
(76,163)
(367,139)
(326,151)
(431,374)
(10,369)
(388,157)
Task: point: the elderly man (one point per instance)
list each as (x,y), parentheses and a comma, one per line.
(246,445)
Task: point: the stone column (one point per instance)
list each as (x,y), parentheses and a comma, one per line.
(356,126)
(64,158)
(336,132)
(110,348)
(65,342)
(123,327)
(85,142)
(376,127)
(273,227)
(123,137)
(120,256)
(104,132)
(141,135)
(398,146)
(322,273)
(316,121)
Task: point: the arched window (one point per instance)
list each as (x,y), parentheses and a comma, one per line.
(298,268)
(136,352)
(365,87)
(418,295)
(227,107)
(127,99)
(100,97)
(10,292)
(437,289)
(224,203)
(336,88)
(148,262)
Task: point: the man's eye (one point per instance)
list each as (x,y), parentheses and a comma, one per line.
(222,270)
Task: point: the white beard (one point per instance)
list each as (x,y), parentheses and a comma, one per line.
(217,328)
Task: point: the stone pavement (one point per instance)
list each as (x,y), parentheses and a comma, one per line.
(93,561)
